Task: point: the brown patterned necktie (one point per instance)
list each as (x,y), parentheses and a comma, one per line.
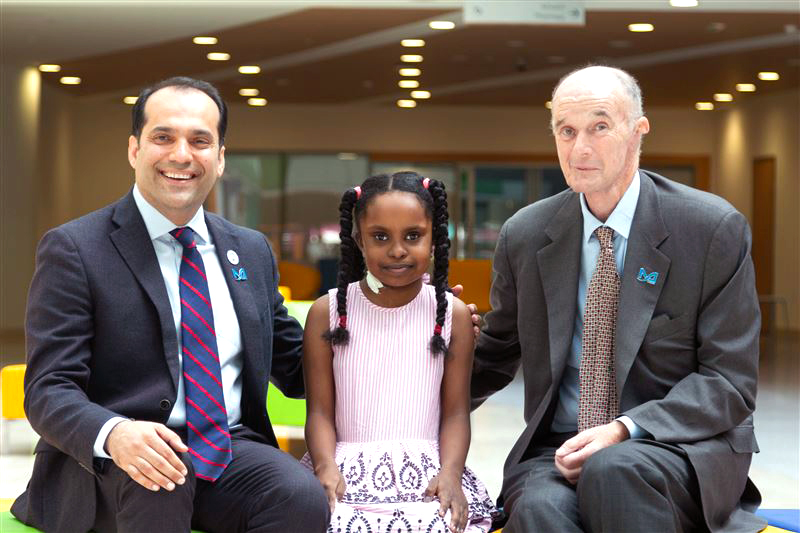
(597,403)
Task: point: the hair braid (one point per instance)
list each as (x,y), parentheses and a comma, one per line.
(441,247)
(351,267)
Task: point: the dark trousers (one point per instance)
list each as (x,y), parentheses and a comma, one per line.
(636,485)
(262,490)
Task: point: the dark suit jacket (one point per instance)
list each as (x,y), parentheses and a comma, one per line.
(101,342)
(686,346)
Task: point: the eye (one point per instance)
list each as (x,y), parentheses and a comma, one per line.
(202,142)
(567,132)
(380,237)
(161,138)
(601,126)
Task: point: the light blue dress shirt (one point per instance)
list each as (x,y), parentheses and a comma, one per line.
(620,220)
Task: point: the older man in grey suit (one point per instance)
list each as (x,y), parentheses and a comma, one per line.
(629,300)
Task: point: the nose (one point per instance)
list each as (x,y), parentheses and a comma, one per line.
(397,250)
(582,146)
(180,152)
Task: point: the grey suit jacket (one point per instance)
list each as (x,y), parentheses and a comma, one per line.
(101,342)
(686,346)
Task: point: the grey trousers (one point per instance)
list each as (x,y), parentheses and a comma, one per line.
(635,486)
(262,490)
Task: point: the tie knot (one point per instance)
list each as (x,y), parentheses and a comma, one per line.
(184,235)
(605,235)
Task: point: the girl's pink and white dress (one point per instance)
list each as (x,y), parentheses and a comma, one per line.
(388,389)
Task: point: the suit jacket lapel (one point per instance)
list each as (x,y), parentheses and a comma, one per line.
(134,245)
(559,263)
(241,293)
(637,299)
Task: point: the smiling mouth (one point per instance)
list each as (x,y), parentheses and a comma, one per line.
(179,176)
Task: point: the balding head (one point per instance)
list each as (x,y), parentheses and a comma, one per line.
(604,79)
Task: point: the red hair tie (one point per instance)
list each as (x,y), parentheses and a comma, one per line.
(343,321)
(358,192)
(437,330)
(426,182)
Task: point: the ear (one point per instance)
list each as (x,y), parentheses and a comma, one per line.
(221,164)
(133,150)
(643,126)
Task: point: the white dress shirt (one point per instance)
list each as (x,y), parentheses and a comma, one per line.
(229,339)
(620,220)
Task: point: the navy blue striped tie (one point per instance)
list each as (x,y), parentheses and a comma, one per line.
(209,441)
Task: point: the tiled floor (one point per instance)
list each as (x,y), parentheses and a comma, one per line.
(496,425)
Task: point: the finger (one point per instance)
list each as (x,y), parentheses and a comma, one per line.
(457,290)
(341,487)
(430,491)
(457,519)
(172,438)
(164,466)
(140,478)
(331,499)
(153,474)
(168,463)
(444,504)
(575,443)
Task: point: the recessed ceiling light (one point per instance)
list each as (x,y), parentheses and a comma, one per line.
(49,68)
(408,84)
(410,72)
(218,56)
(406,103)
(257,102)
(441,25)
(248,92)
(130,100)
(769,76)
(745,87)
(420,95)
(412,43)
(70,80)
(249,69)
(347,156)
(641,27)
(683,3)
(723,97)
(548,104)
(204,40)
(411,58)
(704,106)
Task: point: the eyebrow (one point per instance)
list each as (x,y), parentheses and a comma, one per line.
(598,113)
(166,129)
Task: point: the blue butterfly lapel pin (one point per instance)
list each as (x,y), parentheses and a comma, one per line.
(239,274)
(644,277)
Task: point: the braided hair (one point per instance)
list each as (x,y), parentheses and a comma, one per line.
(433,197)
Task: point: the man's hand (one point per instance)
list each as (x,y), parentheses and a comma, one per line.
(477,321)
(574,452)
(145,451)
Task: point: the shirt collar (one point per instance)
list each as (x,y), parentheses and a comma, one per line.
(158,225)
(621,217)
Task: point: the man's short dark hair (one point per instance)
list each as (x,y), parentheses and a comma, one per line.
(180,82)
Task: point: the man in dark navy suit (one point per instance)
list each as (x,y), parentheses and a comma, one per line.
(107,384)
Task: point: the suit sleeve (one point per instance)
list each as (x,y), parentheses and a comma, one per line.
(720,394)
(287,342)
(59,329)
(497,354)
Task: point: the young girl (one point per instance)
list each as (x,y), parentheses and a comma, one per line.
(387,361)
